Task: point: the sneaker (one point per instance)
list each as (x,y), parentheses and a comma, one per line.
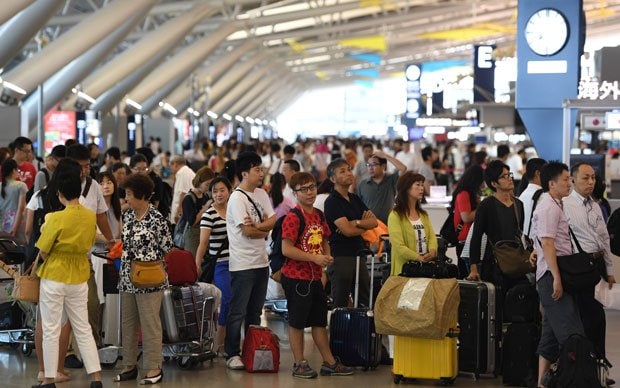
(303,370)
(336,370)
(235,363)
(71,361)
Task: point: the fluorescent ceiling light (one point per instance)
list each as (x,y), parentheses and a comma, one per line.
(239,118)
(213,115)
(132,103)
(88,98)
(226,116)
(249,120)
(169,108)
(14,88)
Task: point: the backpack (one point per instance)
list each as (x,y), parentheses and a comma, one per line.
(165,200)
(182,226)
(577,366)
(276,258)
(448,231)
(30,191)
(613,227)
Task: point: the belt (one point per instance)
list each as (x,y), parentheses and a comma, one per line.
(596,255)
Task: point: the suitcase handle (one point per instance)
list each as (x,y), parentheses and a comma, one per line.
(363,253)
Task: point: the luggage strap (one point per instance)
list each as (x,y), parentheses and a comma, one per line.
(198,320)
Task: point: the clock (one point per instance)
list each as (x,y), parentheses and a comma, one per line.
(546,32)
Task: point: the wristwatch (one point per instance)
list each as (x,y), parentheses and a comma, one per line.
(357,223)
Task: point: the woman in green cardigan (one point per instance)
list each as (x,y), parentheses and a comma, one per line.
(411,233)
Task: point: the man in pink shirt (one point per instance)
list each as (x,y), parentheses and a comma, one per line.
(22,150)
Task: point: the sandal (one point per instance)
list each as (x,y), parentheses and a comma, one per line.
(131,374)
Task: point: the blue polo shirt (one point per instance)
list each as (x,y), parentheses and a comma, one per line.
(336,206)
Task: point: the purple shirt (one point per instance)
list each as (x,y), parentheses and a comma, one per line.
(549,221)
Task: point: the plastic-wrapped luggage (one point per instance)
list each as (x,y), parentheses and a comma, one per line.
(183,318)
(479,328)
(421,358)
(352,330)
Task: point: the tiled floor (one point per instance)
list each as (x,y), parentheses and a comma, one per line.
(17,370)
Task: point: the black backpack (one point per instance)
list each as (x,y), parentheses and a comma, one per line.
(613,227)
(577,366)
(276,258)
(448,231)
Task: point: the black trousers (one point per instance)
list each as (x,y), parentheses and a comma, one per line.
(592,318)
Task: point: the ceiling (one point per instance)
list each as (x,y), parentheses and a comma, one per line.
(298,45)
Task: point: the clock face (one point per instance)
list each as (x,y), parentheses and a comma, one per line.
(546,32)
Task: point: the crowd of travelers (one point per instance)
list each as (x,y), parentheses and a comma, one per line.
(230,197)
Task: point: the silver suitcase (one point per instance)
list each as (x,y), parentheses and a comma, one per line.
(182,315)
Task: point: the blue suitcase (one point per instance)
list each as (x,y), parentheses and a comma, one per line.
(353,338)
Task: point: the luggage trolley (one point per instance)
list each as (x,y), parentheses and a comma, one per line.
(12,257)
(180,328)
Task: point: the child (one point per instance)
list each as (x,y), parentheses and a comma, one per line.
(303,279)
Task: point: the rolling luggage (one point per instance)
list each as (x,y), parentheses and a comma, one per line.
(519,359)
(479,329)
(182,313)
(422,358)
(261,350)
(110,353)
(352,330)
(521,304)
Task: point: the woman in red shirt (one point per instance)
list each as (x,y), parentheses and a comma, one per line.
(465,199)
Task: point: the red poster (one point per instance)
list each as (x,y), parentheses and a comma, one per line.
(59,127)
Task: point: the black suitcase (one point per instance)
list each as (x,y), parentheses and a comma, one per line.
(11,316)
(353,338)
(521,304)
(479,330)
(519,359)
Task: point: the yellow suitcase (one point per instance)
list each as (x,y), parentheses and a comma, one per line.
(426,359)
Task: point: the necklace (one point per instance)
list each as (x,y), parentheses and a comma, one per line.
(140,218)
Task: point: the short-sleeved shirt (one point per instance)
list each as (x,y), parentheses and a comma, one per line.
(67,236)
(148,239)
(549,221)
(462,203)
(212,220)
(26,173)
(94,198)
(337,207)
(246,252)
(310,241)
(9,205)
(379,197)
(182,184)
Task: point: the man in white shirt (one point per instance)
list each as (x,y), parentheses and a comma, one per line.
(249,219)
(289,168)
(183,177)
(532,174)
(587,223)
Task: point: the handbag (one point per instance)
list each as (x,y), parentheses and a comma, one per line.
(578,271)
(436,269)
(512,258)
(26,287)
(147,274)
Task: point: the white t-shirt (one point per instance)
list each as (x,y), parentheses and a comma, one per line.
(246,253)
(420,236)
(94,198)
(182,184)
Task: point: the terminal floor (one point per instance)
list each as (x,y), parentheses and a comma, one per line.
(17,370)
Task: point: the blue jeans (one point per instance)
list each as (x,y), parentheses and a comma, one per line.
(221,279)
(249,289)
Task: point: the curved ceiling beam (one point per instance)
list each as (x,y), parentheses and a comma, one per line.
(208,76)
(253,92)
(182,64)
(61,83)
(248,82)
(22,27)
(36,69)
(11,8)
(261,96)
(235,74)
(143,51)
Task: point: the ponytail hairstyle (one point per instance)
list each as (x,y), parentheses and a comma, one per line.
(8,166)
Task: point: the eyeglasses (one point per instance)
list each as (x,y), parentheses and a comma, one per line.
(372,164)
(27,151)
(507,176)
(306,189)
(140,169)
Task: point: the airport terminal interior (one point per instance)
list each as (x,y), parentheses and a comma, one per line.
(190,84)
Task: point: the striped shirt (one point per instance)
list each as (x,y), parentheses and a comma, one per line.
(211,220)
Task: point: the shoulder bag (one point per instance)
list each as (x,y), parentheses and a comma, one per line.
(513,259)
(147,274)
(579,271)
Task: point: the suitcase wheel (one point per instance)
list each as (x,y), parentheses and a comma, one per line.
(186,363)
(446,381)
(27,349)
(397,379)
